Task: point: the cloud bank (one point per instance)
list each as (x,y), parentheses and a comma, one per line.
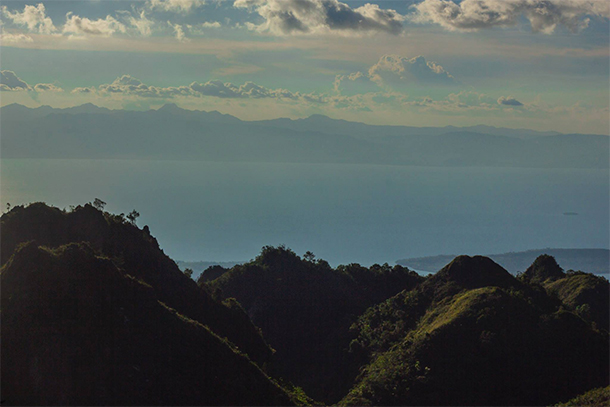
(395,71)
(176,6)
(543,15)
(10,82)
(285,17)
(82,25)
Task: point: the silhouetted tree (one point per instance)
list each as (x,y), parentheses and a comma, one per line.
(309,256)
(188,273)
(99,204)
(132,216)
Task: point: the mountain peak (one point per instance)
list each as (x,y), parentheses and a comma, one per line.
(170,108)
(544,268)
(476,271)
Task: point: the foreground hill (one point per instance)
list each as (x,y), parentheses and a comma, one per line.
(305,308)
(77,330)
(94,313)
(173,133)
(112,320)
(589,260)
(472,334)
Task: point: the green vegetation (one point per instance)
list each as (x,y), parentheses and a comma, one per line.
(474,335)
(305,308)
(94,313)
(586,294)
(593,398)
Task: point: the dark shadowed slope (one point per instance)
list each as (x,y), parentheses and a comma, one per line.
(136,251)
(305,308)
(78,330)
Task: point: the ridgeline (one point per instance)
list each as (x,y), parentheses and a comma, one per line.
(94,313)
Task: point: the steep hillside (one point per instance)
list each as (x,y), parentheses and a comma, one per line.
(586,294)
(136,251)
(78,330)
(593,398)
(474,335)
(590,260)
(305,309)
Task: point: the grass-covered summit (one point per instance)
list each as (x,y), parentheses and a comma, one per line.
(474,335)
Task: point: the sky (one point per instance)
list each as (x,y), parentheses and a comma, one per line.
(537,64)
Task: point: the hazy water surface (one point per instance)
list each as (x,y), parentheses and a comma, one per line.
(343,213)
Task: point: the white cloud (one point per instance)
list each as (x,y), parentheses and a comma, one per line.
(47,87)
(102,27)
(283,17)
(544,15)
(178,32)
(33,17)
(142,24)
(211,24)
(9,81)
(127,84)
(176,6)
(9,38)
(84,90)
(394,71)
(200,29)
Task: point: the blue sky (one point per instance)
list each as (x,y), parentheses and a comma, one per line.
(514,63)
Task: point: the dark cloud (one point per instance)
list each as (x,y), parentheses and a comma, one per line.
(509,101)
(544,15)
(11,82)
(315,16)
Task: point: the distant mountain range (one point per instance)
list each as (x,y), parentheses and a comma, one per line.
(589,260)
(170,132)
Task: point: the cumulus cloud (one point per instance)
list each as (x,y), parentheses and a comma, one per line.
(178,32)
(127,84)
(9,38)
(84,90)
(47,87)
(211,24)
(142,24)
(284,17)
(176,6)
(9,81)
(543,15)
(394,68)
(393,71)
(509,101)
(32,17)
(102,27)
(201,28)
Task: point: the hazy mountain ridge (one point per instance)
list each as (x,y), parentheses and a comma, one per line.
(589,260)
(174,133)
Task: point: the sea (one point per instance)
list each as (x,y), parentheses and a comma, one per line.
(343,213)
